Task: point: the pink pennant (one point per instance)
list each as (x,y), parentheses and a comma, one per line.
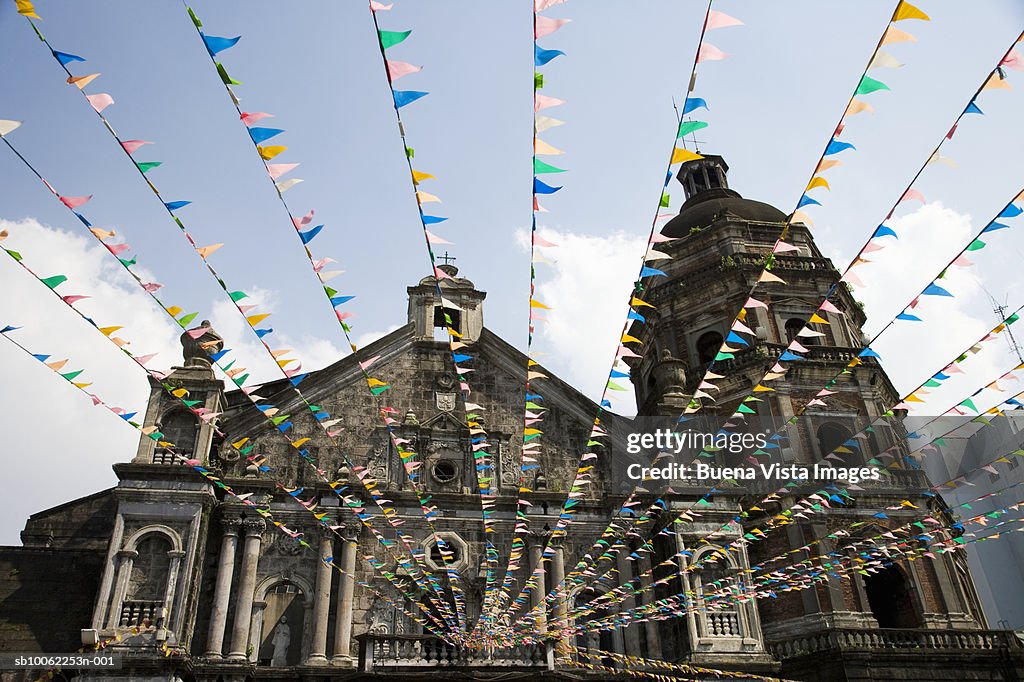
(871,247)
(912,194)
(74,202)
(1012,60)
(343,316)
(544,26)
(962,261)
(543,102)
(304,220)
(536,205)
(249,118)
(117,249)
(541,5)
(131,146)
(143,359)
(718,19)
(365,364)
(658,238)
(625,352)
(100,101)
(754,303)
(660,218)
(196,333)
(816,401)
(709,53)
(783,247)
(540,241)
(152,286)
(441,274)
(379,6)
(319,265)
(72,299)
(829,307)
(276,170)
(852,279)
(434,239)
(398,69)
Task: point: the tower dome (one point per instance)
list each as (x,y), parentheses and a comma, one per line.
(708,197)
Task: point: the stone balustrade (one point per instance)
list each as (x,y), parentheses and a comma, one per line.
(383,652)
(893,639)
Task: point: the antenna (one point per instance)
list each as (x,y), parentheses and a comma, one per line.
(1000,310)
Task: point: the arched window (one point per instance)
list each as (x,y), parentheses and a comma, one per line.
(889,595)
(831,436)
(715,577)
(707,347)
(147,582)
(182,429)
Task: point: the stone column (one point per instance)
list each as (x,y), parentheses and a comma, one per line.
(561,610)
(125,561)
(631,635)
(246,588)
(321,602)
(343,608)
(651,627)
(176,556)
(222,588)
(540,590)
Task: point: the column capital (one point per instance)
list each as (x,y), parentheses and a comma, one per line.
(253,527)
(230,525)
(127,554)
(177,554)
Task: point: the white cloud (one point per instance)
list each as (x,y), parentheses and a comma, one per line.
(587,287)
(57,445)
(63,446)
(929,238)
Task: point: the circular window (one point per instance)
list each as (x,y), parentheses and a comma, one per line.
(444,471)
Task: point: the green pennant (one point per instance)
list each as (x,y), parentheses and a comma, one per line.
(687,127)
(743,408)
(723,356)
(225,78)
(664,200)
(1012,318)
(70,376)
(976,245)
(13,254)
(538,81)
(969,404)
(54,282)
(185,321)
(238,295)
(146,166)
(869,85)
(389,39)
(377,390)
(539,167)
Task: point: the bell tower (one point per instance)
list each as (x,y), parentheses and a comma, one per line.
(148,596)
(459,307)
(718,246)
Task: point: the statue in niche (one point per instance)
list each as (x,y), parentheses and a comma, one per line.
(281,640)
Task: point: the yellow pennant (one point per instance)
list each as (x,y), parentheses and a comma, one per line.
(626,338)
(684,155)
(537,304)
(256,319)
(102,234)
(107,331)
(269,152)
(908,11)
(373,383)
(637,301)
(26,9)
(174,310)
(818,319)
(419,177)
(818,181)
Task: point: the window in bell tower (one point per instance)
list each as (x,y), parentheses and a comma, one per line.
(831,436)
(441,324)
(794,326)
(707,347)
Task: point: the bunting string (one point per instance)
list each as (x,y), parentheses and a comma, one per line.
(279,422)
(214,480)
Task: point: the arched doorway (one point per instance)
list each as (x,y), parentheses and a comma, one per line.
(890,598)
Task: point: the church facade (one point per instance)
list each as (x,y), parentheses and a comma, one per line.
(188,583)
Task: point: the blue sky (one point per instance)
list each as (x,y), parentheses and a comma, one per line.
(315,65)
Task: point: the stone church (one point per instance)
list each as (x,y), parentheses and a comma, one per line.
(187,583)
